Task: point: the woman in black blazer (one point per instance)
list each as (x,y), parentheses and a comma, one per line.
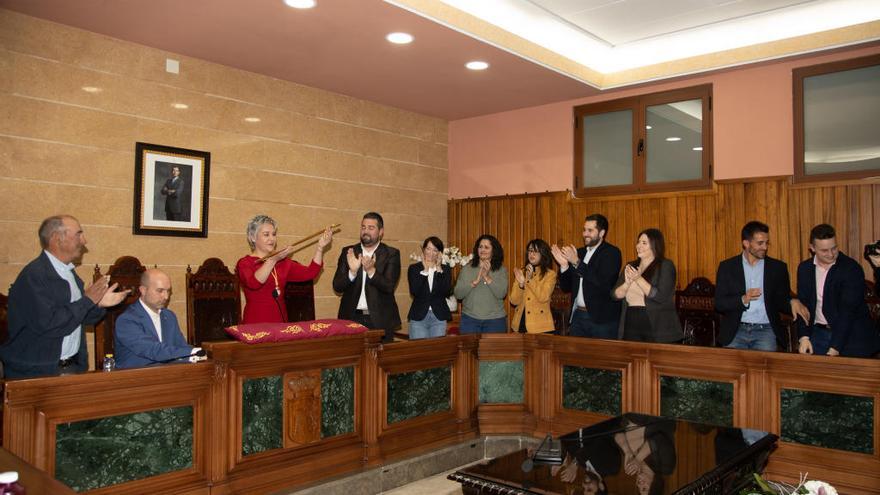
(429,283)
(647,288)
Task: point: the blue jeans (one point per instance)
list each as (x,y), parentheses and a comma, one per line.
(821,340)
(755,336)
(584,326)
(426,328)
(470,324)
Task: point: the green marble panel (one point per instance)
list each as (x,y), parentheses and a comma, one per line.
(419,393)
(705,401)
(592,389)
(842,422)
(107,451)
(337,401)
(501,382)
(262,414)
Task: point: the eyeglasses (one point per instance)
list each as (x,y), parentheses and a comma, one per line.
(533,250)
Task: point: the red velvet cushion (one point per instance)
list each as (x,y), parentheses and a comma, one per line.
(255,333)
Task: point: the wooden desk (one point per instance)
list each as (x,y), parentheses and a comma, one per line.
(32,479)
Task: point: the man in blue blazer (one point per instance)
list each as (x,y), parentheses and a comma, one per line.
(751,290)
(147,333)
(49,306)
(589,274)
(832,286)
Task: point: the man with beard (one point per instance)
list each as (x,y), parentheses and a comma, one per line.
(366,276)
(48,306)
(751,290)
(832,285)
(589,273)
(147,332)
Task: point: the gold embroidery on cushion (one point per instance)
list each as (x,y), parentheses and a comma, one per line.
(294,329)
(254,336)
(317,327)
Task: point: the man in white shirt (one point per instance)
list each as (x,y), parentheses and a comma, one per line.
(366,275)
(147,332)
(49,305)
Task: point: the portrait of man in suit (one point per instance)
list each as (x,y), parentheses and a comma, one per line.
(175,191)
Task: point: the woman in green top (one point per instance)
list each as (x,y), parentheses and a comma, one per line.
(482,286)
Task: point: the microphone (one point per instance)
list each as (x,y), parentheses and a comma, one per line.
(200,353)
(529,463)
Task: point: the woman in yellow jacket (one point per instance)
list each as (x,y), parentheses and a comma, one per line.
(532,288)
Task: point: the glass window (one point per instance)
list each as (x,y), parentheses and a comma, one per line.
(654,142)
(836,110)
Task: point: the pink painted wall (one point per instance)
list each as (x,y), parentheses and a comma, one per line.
(530,150)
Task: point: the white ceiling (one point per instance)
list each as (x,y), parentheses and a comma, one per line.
(617,22)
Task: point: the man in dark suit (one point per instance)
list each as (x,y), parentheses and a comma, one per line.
(366,276)
(751,290)
(146,332)
(173,192)
(832,286)
(589,274)
(48,306)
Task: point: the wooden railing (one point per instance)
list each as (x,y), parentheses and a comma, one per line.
(392,408)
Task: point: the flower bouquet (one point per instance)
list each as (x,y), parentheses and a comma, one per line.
(760,486)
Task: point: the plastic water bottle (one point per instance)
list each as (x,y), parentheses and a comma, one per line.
(109,362)
(9,484)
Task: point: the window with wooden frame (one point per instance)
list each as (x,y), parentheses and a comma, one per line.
(649,143)
(836,110)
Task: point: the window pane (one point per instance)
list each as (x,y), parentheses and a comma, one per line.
(840,121)
(607,149)
(675,141)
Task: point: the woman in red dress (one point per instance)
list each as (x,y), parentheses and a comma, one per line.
(263,282)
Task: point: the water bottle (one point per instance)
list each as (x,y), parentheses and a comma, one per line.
(9,484)
(109,362)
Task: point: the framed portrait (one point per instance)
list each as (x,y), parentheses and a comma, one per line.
(171,191)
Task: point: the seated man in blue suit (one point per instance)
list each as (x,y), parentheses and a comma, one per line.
(147,333)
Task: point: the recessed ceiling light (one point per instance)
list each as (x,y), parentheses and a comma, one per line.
(648,127)
(697,148)
(399,38)
(251,119)
(673,139)
(300,4)
(180,106)
(92,89)
(477,65)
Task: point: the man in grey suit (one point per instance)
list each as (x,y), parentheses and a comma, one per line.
(173,192)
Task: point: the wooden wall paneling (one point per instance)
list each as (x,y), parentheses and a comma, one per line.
(701,228)
(495,419)
(34,407)
(417,434)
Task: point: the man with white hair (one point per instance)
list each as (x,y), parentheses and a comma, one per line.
(48,306)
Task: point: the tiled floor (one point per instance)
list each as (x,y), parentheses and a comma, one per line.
(434,485)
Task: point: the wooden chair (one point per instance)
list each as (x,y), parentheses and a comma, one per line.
(873,300)
(560,308)
(213,301)
(299,297)
(696,311)
(125,271)
(4,334)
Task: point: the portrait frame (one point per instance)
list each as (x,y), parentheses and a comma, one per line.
(170,191)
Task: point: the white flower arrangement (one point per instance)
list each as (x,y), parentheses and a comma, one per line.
(811,487)
(451,257)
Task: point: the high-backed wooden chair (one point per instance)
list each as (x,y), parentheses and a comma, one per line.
(213,301)
(560,308)
(696,311)
(4,334)
(873,300)
(125,271)
(300,300)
